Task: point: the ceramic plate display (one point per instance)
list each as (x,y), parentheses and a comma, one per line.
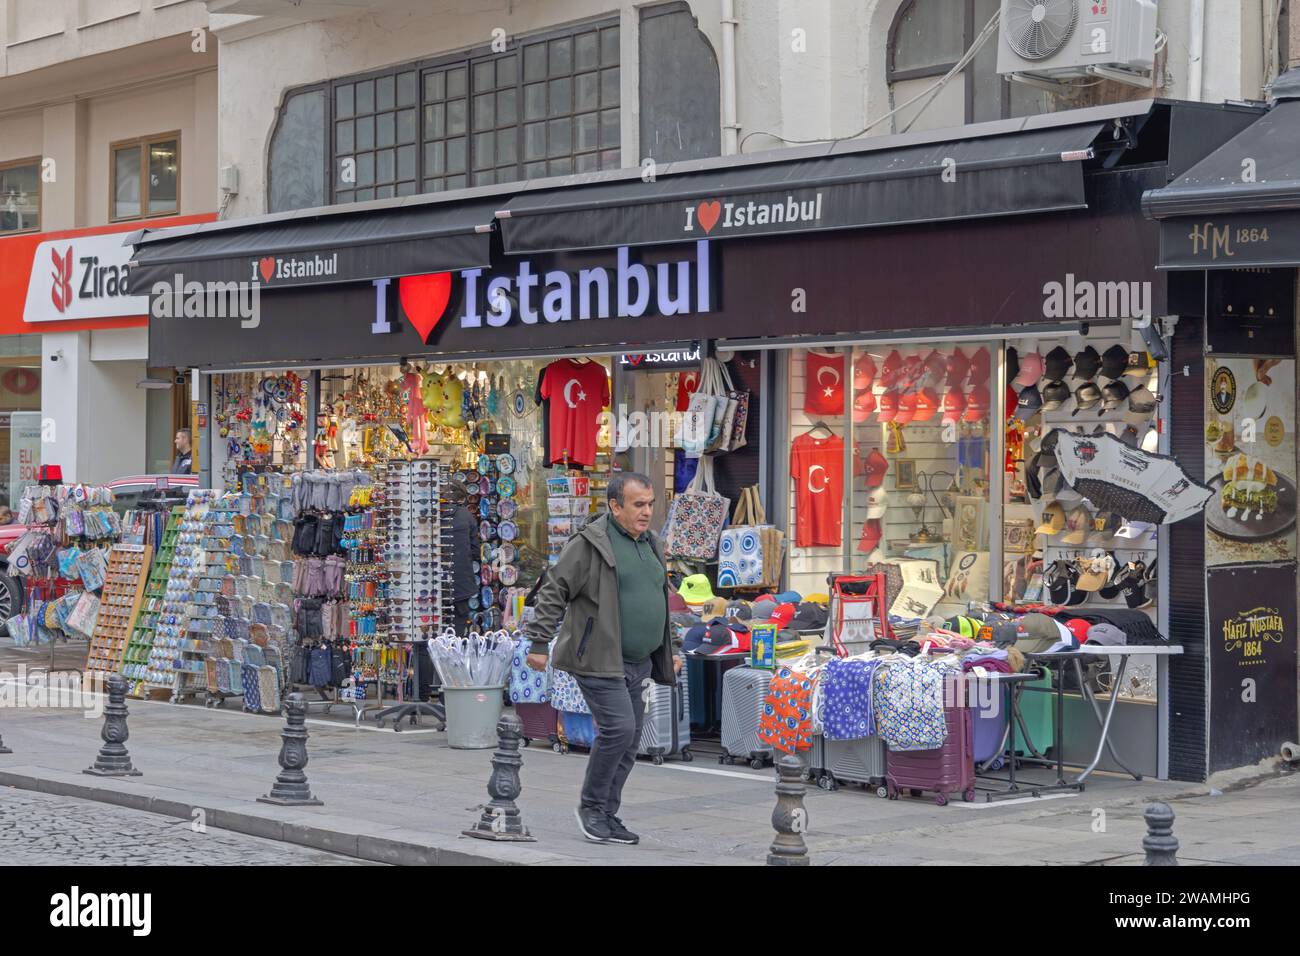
(506,464)
(508,531)
(506,487)
(506,509)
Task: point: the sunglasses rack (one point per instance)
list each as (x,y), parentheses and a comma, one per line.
(170,630)
(119,605)
(135,662)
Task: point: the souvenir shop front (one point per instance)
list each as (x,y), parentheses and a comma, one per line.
(900,397)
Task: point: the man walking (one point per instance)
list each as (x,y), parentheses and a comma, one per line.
(611,588)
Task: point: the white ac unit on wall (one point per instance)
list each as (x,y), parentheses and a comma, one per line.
(1060,40)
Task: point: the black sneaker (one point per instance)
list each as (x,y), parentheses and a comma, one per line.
(619,833)
(593,824)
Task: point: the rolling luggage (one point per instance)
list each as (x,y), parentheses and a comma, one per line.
(540,722)
(853,761)
(990,725)
(666,729)
(743,692)
(948,769)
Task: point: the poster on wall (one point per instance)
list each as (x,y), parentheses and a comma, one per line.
(1250,460)
(24,452)
(1252,657)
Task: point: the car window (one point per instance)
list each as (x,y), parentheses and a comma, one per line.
(124,501)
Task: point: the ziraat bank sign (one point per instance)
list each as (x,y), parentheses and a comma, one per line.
(489,300)
(81,278)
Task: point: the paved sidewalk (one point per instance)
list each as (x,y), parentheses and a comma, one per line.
(406,797)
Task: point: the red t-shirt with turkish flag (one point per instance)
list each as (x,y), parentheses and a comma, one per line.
(687,383)
(823,384)
(817,465)
(577,391)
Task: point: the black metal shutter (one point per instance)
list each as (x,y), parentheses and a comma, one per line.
(1188,674)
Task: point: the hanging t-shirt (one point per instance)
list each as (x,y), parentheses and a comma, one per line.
(687,383)
(823,384)
(817,465)
(577,391)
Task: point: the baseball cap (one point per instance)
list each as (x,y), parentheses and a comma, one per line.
(714,608)
(1114,395)
(1061,578)
(1077,526)
(977,404)
(1107,634)
(720,639)
(874,467)
(1139,364)
(782,615)
(1094,573)
(936,368)
(877,503)
(1052,481)
(1134,529)
(1087,396)
(760,612)
(864,370)
(887,405)
(927,403)
(1086,363)
(1078,629)
(676,604)
(789,597)
(1049,441)
(1053,520)
(890,368)
(912,369)
(696,590)
(693,639)
(1031,369)
(864,403)
(1035,633)
(963,625)
(809,617)
(872,532)
(1151,440)
(1056,363)
(766,599)
(1028,404)
(1114,361)
(818,597)
(1141,405)
(1055,394)
(906,408)
(957,367)
(1129,436)
(954,403)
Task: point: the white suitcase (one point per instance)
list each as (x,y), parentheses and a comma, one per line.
(743,691)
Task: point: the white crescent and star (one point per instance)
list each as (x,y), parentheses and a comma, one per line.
(812,471)
(568,399)
(828,391)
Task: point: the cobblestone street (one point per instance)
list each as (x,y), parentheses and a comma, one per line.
(39,829)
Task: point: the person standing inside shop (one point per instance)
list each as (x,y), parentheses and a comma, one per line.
(611,588)
(184,462)
(465,547)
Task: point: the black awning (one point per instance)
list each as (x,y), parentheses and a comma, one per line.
(340,244)
(851,185)
(1240,206)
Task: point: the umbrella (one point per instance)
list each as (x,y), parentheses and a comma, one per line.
(1135,484)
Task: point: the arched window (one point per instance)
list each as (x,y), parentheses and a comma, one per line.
(926,40)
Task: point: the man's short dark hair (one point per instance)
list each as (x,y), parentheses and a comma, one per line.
(622,480)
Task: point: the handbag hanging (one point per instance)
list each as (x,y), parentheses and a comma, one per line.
(696,518)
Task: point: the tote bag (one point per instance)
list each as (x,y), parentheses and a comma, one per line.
(696,518)
(740,547)
(697,423)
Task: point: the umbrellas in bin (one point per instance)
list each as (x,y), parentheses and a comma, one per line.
(1135,484)
(479,660)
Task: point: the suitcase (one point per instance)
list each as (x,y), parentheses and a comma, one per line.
(948,769)
(575,730)
(990,724)
(540,722)
(743,691)
(1038,708)
(854,761)
(666,730)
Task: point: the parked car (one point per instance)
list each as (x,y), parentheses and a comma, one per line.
(128,493)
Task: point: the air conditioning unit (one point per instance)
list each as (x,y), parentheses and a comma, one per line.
(1059,40)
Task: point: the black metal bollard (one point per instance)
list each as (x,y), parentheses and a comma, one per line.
(1160,843)
(501,820)
(290,788)
(112,759)
(789,819)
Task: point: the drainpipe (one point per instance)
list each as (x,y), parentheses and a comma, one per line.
(1195,50)
(730,128)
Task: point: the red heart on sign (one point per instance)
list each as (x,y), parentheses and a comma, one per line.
(424,299)
(708,213)
(266,266)
(636,359)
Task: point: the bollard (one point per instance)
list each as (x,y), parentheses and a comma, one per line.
(113,760)
(789,819)
(290,788)
(1160,843)
(501,820)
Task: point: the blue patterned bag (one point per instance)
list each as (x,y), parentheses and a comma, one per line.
(527,686)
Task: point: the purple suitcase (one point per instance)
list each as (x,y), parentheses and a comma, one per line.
(949,769)
(990,723)
(539,720)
